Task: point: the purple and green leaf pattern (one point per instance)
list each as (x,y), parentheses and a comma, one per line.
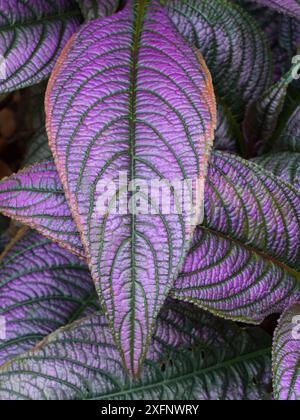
(290,7)
(244,262)
(227,133)
(191,350)
(289,138)
(240,266)
(36,198)
(93,9)
(223,32)
(130,96)
(42,288)
(286,356)
(285,165)
(262,116)
(32,36)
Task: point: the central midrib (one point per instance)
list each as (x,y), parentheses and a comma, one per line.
(140,8)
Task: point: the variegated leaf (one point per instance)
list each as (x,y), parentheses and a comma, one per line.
(42,287)
(286,356)
(234,47)
(36,198)
(192,355)
(32,35)
(130,97)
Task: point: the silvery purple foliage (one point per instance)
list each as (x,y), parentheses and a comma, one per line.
(32,36)
(286,356)
(100,304)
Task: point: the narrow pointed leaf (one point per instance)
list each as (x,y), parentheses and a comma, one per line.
(234,47)
(42,287)
(36,198)
(286,356)
(93,9)
(290,7)
(32,35)
(129,96)
(191,350)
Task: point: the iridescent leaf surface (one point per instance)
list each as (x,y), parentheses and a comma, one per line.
(289,139)
(286,356)
(240,266)
(290,7)
(129,98)
(42,287)
(234,47)
(192,355)
(36,198)
(244,264)
(285,165)
(32,35)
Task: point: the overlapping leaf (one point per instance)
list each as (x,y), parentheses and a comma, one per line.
(42,287)
(32,35)
(192,356)
(245,264)
(286,356)
(36,198)
(234,47)
(93,9)
(129,96)
(289,139)
(227,133)
(290,7)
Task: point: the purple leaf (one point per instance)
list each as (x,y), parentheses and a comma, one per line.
(93,9)
(227,131)
(32,35)
(191,352)
(234,47)
(290,7)
(130,98)
(240,266)
(285,165)
(42,287)
(289,139)
(36,198)
(286,356)
(244,264)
